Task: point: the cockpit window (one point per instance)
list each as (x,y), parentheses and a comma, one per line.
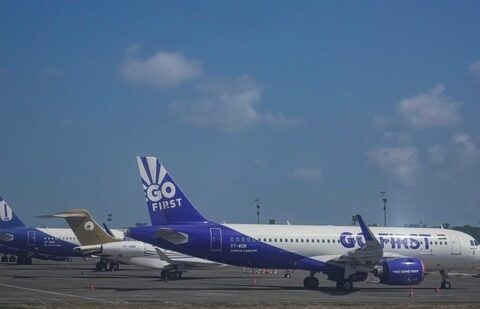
(476,243)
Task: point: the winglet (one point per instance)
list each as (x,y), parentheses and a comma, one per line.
(367,233)
(163,256)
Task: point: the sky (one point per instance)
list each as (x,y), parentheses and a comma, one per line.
(311,107)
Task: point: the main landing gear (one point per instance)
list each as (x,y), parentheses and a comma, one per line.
(104,265)
(24,260)
(445,283)
(311,282)
(171,274)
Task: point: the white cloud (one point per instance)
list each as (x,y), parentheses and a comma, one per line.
(279,121)
(475,68)
(306,174)
(166,69)
(432,108)
(229,106)
(402,138)
(467,149)
(401,162)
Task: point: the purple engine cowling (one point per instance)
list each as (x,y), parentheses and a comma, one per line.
(401,271)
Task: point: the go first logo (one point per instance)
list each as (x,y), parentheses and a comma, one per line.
(163,197)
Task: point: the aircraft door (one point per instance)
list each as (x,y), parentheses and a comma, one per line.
(31,238)
(456,247)
(215,239)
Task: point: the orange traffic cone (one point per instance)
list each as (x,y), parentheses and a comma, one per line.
(91,286)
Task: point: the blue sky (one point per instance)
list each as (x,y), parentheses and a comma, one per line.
(313,107)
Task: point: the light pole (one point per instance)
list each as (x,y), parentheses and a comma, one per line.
(109,216)
(384,199)
(258,210)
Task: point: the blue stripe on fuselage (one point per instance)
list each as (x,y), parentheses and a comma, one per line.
(42,243)
(255,253)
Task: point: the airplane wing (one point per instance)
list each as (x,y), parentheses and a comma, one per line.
(361,259)
(187,262)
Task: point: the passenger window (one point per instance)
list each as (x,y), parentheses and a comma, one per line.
(323,240)
(291,239)
(296,240)
(281,240)
(270,240)
(301,240)
(328,240)
(333,240)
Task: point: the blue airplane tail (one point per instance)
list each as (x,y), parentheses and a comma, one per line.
(165,200)
(8,218)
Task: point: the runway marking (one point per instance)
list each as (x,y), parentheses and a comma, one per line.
(56,293)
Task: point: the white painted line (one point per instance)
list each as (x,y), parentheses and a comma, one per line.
(56,293)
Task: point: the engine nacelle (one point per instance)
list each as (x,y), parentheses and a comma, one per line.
(123,249)
(401,271)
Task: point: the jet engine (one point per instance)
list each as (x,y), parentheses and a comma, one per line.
(401,271)
(125,249)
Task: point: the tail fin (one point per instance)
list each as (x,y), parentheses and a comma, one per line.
(87,230)
(165,200)
(8,218)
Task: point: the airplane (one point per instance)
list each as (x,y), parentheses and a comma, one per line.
(26,242)
(345,254)
(114,249)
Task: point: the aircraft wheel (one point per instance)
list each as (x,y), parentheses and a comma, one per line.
(346,285)
(101,266)
(446,285)
(12,259)
(287,276)
(4,259)
(165,274)
(20,260)
(310,283)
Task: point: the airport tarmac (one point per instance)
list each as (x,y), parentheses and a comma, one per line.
(76,283)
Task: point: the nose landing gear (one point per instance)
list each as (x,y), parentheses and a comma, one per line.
(445,283)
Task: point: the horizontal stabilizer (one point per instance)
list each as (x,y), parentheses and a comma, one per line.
(172,236)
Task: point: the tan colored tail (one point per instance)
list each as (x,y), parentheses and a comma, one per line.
(87,230)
